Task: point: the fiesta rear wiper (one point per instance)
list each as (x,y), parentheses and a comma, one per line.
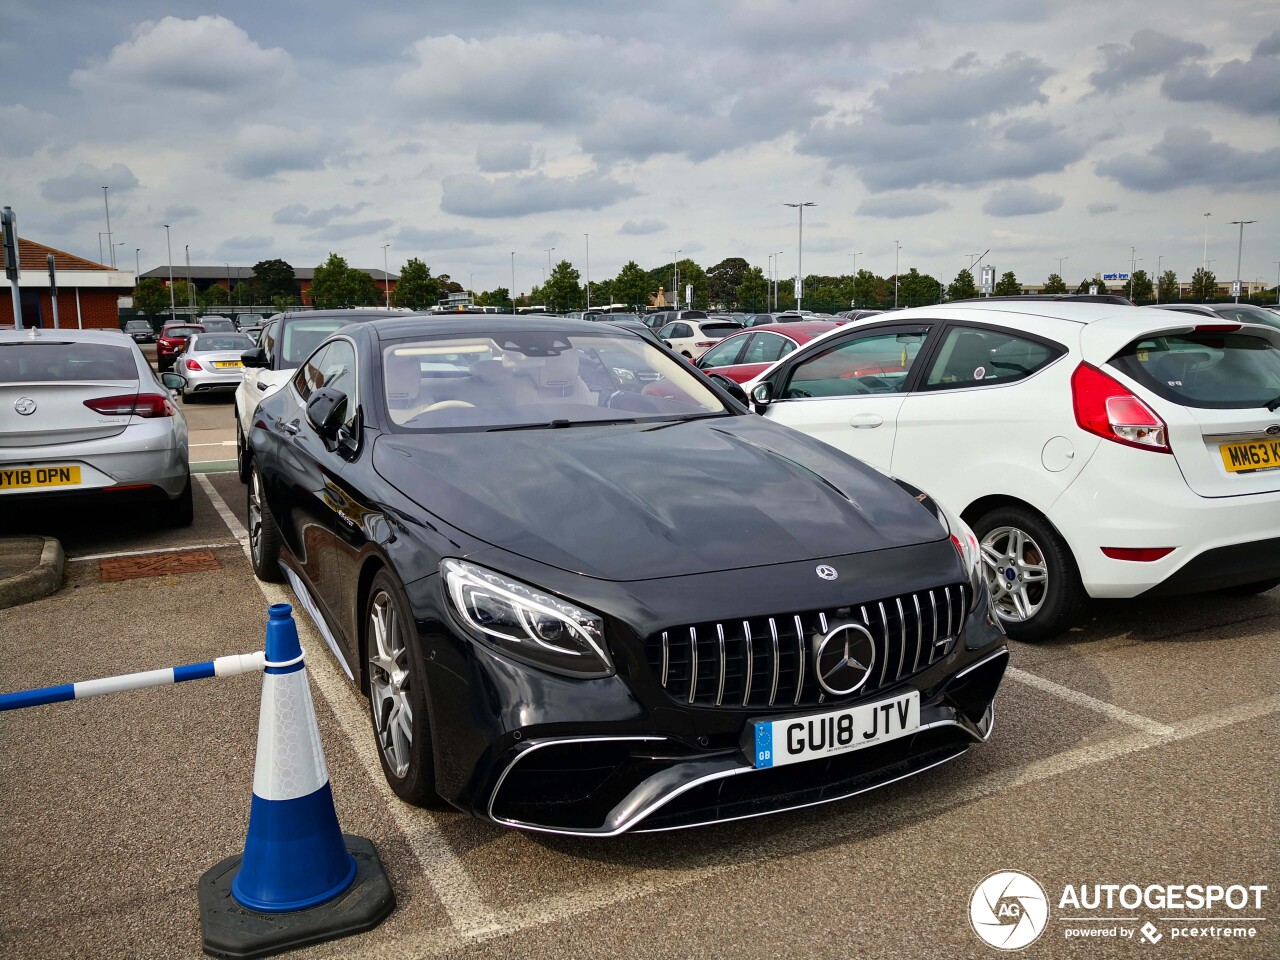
(558,425)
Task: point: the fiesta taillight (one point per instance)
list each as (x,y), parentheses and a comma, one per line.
(1138,554)
(146,405)
(1107,408)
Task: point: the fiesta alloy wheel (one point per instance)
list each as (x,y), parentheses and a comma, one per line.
(1033,579)
(264,535)
(397,695)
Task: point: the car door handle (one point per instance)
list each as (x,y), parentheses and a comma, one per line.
(865,421)
(291,428)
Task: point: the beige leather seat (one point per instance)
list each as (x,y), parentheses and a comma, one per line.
(551,380)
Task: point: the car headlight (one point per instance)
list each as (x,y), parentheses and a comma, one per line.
(527,624)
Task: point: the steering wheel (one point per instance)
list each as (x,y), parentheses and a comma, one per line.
(447,405)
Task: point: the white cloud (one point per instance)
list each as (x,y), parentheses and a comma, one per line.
(640,228)
(23,130)
(260,151)
(471,195)
(88,181)
(1020,200)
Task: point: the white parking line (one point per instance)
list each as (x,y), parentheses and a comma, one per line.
(1110,710)
(185,548)
(470,915)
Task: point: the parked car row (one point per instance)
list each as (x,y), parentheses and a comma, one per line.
(437,491)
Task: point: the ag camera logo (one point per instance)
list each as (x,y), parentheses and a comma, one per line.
(1008,910)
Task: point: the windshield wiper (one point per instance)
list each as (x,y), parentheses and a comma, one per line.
(1273,405)
(674,421)
(558,425)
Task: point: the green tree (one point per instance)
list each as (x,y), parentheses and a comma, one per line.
(562,290)
(631,286)
(724,280)
(272,278)
(1168,286)
(1008,285)
(1142,290)
(499,297)
(753,291)
(363,290)
(282,302)
(1088,282)
(1055,284)
(335,285)
(916,289)
(866,290)
(693,275)
(1204,285)
(184,296)
(151,298)
(416,288)
(963,287)
(213,296)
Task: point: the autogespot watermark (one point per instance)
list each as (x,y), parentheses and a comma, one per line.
(1010,910)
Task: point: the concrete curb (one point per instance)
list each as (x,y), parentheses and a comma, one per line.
(40,581)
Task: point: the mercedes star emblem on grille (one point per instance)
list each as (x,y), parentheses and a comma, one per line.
(25,406)
(844,659)
(826,572)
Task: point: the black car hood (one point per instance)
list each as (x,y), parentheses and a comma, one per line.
(630,502)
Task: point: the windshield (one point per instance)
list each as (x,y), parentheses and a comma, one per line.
(137,325)
(301,337)
(181,331)
(207,343)
(217,323)
(537,378)
(1212,370)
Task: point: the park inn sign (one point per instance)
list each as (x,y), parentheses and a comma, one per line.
(1115,276)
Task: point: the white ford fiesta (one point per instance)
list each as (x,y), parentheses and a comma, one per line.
(1096,450)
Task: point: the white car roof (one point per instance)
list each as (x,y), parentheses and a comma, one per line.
(66,334)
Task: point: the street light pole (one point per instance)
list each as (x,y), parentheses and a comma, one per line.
(1239,252)
(1159,266)
(1061,260)
(1133,263)
(588,236)
(386,275)
(1206,241)
(777,277)
(675,274)
(897,248)
(191,293)
(800,252)
(106,206)
(513,281)
(173,309)
(137,263)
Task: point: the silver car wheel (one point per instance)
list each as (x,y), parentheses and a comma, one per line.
(389,685)
(1016,573)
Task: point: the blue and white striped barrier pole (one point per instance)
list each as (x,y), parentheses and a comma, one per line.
(229,666)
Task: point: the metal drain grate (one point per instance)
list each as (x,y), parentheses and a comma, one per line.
(156,565)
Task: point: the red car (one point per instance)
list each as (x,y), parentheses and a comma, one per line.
(173,340)
(748,354)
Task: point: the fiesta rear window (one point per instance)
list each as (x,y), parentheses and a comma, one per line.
(65,362)
(1211,370)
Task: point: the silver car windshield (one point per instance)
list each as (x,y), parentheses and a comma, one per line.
(537,378)
(213,342)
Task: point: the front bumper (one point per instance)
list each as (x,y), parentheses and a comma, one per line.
(604,786)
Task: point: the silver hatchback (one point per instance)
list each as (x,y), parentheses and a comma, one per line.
(210,363)
(83,417)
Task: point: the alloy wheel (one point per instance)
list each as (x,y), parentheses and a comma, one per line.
(1016,573)
(255,516)
(389,685)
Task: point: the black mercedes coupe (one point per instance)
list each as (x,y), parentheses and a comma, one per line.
(587,591)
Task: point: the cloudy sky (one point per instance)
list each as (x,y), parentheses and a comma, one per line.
(460,132)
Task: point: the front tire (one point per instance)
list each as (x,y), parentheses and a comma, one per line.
(1032,576)
(264,535)
(397,694)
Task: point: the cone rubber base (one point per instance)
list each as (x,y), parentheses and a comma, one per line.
(229,930)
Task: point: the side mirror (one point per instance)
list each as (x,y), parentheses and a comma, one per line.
(173,381)
(732,388)
(762,393)
(255,358)
(667,342)
(327,409)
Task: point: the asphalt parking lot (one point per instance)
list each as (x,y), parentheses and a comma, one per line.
(1138,749)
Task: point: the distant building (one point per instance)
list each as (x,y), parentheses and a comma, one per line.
(228,277)
(88,292)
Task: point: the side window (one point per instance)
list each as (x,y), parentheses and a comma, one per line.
(268,339)
(666,332)
(722,354)
(875,363)
(766,348)
(969,357)
(309,377)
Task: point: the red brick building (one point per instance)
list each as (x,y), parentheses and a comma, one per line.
(88,292)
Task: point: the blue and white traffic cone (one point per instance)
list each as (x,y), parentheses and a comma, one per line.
(299,881)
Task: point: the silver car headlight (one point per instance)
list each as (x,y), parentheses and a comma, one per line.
(527,624)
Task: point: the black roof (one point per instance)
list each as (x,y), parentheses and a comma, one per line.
(392,328)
